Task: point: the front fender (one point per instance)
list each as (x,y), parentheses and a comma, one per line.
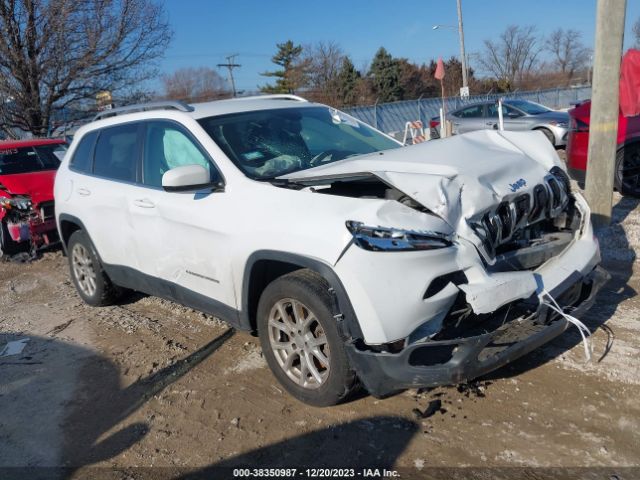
(343,310)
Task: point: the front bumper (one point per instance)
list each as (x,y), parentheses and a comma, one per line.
(456,360)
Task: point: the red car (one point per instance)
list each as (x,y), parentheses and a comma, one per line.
(627,171)
(27,172)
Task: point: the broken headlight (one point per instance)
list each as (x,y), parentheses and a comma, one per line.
(16,203)
(394,239)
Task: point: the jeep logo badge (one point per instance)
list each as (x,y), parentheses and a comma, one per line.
(517,185)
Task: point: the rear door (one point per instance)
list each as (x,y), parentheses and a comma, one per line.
(105,177)
(469,119)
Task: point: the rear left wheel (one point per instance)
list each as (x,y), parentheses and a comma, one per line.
(300,339)
(91,281)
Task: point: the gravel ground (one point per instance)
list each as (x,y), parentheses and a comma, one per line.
(149,383)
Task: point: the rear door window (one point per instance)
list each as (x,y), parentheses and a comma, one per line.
(117,151)
(19,160)
(82,160)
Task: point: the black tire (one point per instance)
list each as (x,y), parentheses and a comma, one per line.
(312,292)
(549,134)
(627,174)
(105,292)
(7,245)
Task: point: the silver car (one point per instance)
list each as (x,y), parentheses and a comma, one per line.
(517,115)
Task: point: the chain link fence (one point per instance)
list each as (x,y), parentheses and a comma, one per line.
(391,117)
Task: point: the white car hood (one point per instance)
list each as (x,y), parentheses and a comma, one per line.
(456,177)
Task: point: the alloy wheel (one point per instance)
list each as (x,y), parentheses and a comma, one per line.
(299,343)
(83,269)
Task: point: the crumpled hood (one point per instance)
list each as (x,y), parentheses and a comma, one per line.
(457,177)
(38,185)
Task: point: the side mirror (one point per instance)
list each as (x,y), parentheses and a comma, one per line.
(513,115)
(188,178)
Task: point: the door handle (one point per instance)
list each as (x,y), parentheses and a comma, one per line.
(144,203)
(83,191)
(491,123)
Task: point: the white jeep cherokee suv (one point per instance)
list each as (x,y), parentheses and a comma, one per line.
(355,260)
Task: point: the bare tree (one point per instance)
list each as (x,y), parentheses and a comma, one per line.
(56,54)
(569,53)
(636,33)
(195,85)
(323,62)
(513,56)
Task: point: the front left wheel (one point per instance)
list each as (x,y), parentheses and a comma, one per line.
(300,339)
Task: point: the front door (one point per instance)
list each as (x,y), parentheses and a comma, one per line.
(513,119)
(180,236)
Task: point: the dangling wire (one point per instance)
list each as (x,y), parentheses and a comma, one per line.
(582,328)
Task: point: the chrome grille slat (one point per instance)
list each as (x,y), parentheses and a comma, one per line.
(547,200)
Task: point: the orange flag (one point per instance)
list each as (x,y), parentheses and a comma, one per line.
(439,69)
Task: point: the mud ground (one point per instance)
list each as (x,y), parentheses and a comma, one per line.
(149,383)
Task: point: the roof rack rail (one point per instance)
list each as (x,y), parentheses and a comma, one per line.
(143,107)
(275,96)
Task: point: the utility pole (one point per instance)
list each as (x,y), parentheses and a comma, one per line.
(230,66)
(603,127)
(463,57)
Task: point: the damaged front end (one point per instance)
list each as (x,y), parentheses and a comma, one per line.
(488,313)
(469,345)
(472,299)
(27,227)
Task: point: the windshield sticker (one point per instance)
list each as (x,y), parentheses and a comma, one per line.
(339,117)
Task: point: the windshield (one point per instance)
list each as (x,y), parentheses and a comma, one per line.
(31,159)
(530,108)
(268,143)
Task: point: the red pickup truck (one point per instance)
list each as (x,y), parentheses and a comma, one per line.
(627,171)
(27,172)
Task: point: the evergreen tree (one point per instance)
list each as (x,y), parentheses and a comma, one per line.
(385,73)
(347,80)
(291,75)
